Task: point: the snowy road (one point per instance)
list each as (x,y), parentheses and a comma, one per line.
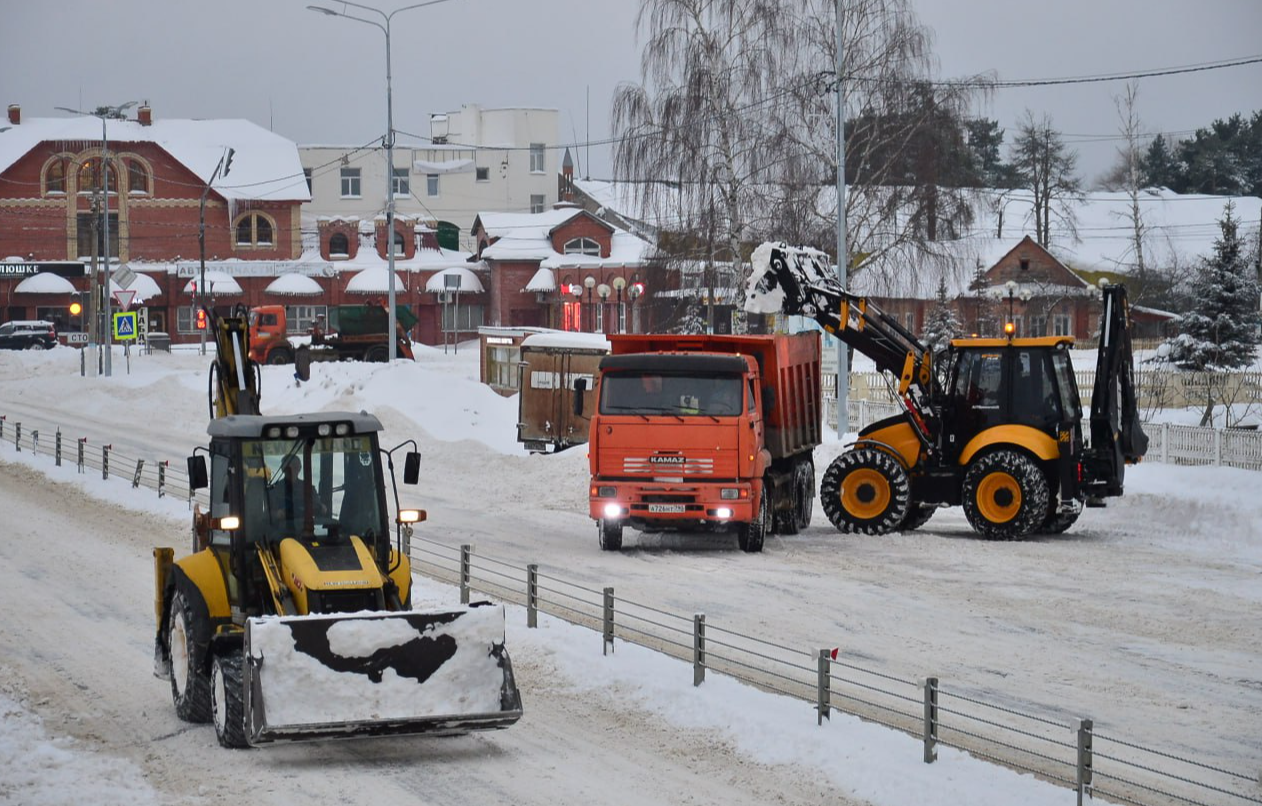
(1145,616)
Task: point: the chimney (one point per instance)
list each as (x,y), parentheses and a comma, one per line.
(144,115)
(15,114)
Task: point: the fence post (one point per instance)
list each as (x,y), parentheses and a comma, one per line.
(57,453)
(823,687)
(105,461)
(698,649)
(466,560)
(140,468)
(3,417)
(1165,443)
(35,441)
(1084,759)
(608,620)
(162,478)
(931,720)
(17,436)
(82,440)
(532,595)
(1218,447)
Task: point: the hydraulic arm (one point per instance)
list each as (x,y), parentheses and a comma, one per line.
(233,376)
(1117,439)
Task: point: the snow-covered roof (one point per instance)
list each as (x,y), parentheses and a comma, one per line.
(527,236)
(264,166)
(525,226)
(145,287)
(375,280)
(469,282)
(544,280)
(568,340)
(44,283)
(219,283)
(294,284)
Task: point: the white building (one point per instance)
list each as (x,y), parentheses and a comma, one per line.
(476,159)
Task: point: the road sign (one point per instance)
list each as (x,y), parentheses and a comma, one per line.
(124,298)
(76,338)
(125,326)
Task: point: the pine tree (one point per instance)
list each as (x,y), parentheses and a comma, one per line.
(941,324)
(1159,168)
(1221,331)
(693,322)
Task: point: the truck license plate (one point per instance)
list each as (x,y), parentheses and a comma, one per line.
(666,507)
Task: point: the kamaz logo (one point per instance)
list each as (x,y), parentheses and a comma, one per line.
(667,460)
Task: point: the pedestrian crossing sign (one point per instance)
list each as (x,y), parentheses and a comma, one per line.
(125,326)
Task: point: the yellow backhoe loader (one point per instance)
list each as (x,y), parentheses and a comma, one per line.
(291,618)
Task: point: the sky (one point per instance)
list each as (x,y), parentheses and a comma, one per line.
(319,79)
(54,754)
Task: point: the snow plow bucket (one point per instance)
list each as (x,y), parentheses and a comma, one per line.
(377,674)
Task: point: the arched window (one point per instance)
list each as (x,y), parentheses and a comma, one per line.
(254,229)
(339,245)
(137,177)
(90,177)
(399,248)
(55,179)
(582,246)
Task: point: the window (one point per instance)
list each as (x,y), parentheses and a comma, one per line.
(1038,326)
(55,179)
(300,318)
(501,366)
(306,174)
(536,202)
(92,236)
(431,184)
(399,184)
(909,321)
(253,229)
(463,317)
(536,158)
(137,177)
(185,321)
(582,246)
(483,174)
(572,316)
(599,325)
(90,177)
(350,183)
(1061,325)
(399,248)
(339,245)
(1025,264)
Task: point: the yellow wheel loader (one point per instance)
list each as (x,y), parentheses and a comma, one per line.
(291,618)
(998,430)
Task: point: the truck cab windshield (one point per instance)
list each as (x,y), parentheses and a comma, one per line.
(680,395)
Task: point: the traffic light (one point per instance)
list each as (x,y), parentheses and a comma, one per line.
(75,308)
(201,318)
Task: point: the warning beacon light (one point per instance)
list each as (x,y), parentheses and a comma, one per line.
(201,318)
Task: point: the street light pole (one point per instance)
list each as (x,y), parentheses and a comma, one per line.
(389,144)
(225,163)
(104,113)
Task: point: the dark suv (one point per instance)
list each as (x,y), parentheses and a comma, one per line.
(28,335)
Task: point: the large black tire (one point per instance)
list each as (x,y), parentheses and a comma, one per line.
(190,684)
(610,535)
(378,353)
(917,516)
(227,697)
(802,499)
(750,536)
(865,490)
(1005,495)
(280,355)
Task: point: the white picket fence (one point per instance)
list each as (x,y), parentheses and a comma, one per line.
(1174,444)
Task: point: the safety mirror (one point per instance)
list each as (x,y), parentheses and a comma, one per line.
(196,472)
(412,468)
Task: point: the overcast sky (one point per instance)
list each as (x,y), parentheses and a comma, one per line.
(319,79)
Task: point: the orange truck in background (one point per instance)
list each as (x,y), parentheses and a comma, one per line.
(353,333)
(705,433)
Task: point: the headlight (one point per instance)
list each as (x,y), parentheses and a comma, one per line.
(324,429)
(729,493)
(411,515)
(606,492)
(613,511)
(229,523)
(723,512)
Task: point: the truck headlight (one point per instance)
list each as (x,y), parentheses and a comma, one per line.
(729,493)
(723,512)
(606,492)
(613,511)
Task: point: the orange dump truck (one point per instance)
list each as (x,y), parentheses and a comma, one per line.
(705,433)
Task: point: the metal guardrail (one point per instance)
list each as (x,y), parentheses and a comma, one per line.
(1073,755)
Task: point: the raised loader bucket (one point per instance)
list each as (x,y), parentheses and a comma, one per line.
(374,674)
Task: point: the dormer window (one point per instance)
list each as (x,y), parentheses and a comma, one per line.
(582,246)
(339,245)
(137,177)
(55,179)
(254,229)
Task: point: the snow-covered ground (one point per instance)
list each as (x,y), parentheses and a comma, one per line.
(1145,617)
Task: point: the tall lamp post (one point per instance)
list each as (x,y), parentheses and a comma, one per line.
(105,113)
(222,169)
(389,141)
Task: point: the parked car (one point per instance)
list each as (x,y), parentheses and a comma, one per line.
(28,335)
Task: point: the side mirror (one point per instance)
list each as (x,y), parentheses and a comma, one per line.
(302,363)
(768,399)
(580,386)
(412,468)
(197,472)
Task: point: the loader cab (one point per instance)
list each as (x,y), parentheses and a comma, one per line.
(995,382)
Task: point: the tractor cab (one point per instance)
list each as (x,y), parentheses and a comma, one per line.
(1008,382)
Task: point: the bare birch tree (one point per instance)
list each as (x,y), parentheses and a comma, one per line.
(1047,168)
